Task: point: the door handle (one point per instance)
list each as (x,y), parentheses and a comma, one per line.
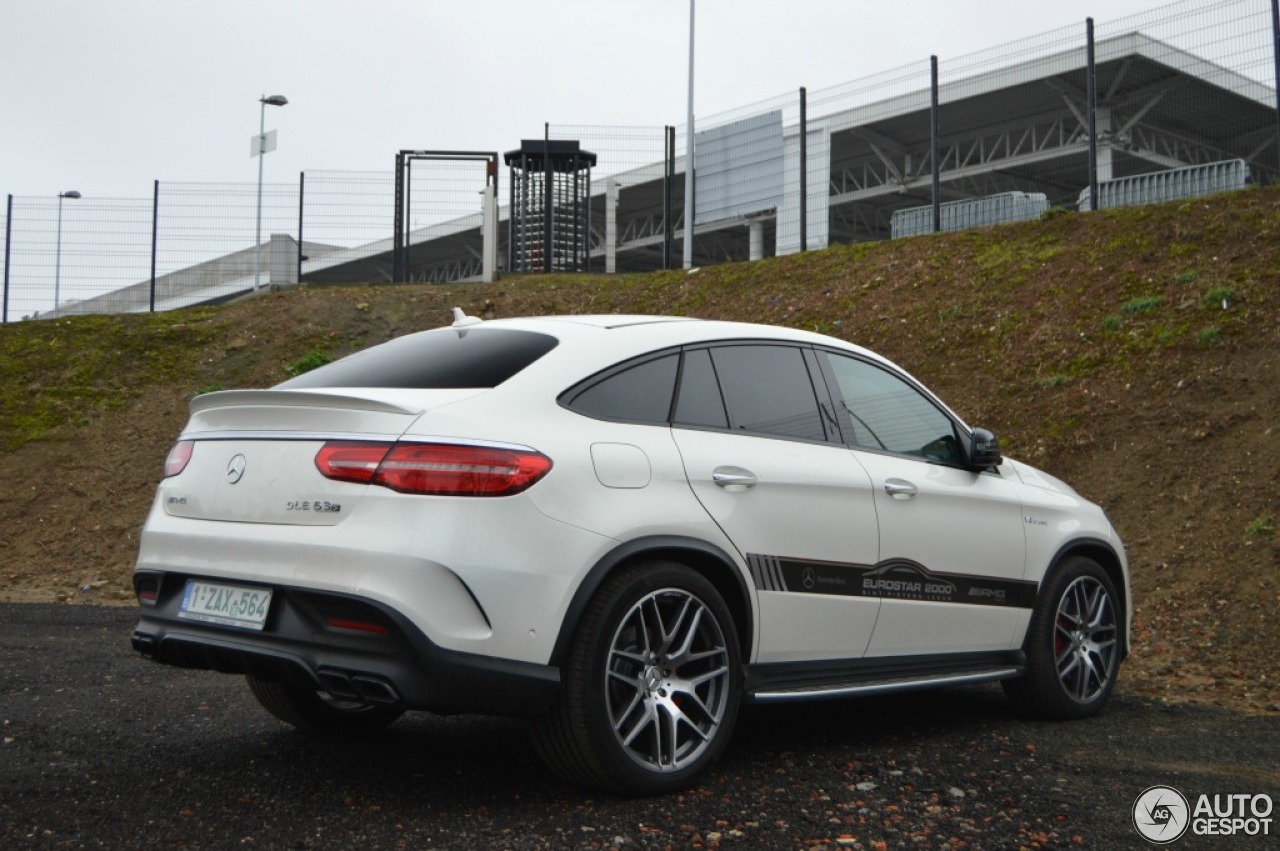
(733,478)
(899,488)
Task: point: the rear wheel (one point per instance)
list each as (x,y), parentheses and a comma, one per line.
(319,712)
(1073,644)
(651,687)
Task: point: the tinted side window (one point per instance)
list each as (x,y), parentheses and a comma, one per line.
(440,359)
(641,393)
(767,390)
(888,413)
(699,402)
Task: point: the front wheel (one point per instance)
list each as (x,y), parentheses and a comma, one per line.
(651,687)
(318,712)
(1073,644)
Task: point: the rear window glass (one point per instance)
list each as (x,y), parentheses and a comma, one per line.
(445,358)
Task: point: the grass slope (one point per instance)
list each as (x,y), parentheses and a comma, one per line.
(1134,352)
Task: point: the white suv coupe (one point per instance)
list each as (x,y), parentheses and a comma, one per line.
(621,527)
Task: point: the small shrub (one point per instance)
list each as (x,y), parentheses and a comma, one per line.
(1188,277)
(1220,297)
(1055,381)
(311,360)
(1054,212)
(1112,322)
(1208,335)
(1261,526)
(1142,304)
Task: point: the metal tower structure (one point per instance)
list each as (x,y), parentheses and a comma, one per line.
(550,224)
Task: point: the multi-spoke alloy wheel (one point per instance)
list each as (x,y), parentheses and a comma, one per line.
(1073,644)
(668,680)
(1085,639)
(651,685)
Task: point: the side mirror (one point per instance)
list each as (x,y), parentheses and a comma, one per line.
(984,450)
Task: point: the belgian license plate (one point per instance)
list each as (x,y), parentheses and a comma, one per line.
(226,605)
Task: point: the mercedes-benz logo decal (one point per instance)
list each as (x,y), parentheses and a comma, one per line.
(235,468)
(809,578)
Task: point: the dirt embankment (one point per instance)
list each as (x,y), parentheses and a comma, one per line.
(1135,353)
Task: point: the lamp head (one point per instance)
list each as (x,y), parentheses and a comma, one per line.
(274,100)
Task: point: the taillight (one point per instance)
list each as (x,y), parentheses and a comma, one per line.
(179,457)
(434,468)
(349,461)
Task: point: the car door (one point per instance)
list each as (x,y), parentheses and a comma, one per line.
(765,460)
(951,567)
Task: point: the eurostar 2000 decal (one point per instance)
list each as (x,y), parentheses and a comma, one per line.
(894,579)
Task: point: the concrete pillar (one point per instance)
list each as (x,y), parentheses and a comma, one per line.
(755,231)
(489,234)
(610,226)
(1106,165)
(282,260)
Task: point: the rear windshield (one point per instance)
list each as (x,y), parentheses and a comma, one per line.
(441,359)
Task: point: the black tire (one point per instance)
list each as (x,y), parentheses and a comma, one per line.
(317,712)
(1073,644)
(651,687)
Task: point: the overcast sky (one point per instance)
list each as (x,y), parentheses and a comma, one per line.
(104,97)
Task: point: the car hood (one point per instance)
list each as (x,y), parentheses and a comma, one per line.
(1035,478)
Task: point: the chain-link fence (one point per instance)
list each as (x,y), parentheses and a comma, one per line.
(1174,101)
(631,207)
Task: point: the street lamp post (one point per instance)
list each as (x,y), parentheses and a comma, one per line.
(57,256)
(273,100)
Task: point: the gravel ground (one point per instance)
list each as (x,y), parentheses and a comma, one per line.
(101,749)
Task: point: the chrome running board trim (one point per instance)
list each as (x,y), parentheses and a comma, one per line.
(885,685)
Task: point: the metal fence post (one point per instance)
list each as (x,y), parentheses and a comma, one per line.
(155,221)
(934,144)
(302,183)
(1275,54)
(397,244)
(548,198)
(668,189)
(804,171)
(8,232)
(1091,80)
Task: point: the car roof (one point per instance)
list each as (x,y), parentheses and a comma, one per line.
(646,333)
(590,343)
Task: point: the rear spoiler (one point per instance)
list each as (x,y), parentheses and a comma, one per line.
(296,398)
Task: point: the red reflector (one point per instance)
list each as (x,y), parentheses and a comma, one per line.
(149,597)
(179,457)
(362,626)
(350,461)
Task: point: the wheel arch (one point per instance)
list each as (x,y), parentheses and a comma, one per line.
(713,563)
(1105,555)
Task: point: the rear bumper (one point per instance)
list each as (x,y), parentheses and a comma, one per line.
(397,665)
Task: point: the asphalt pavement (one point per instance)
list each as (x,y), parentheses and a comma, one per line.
(100,748)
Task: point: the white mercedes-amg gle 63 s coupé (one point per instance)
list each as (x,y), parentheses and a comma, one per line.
(621,528)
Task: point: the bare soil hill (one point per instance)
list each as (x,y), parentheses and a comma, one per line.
(1134,353)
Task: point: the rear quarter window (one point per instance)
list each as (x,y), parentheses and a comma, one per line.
(638,393)
(445,358)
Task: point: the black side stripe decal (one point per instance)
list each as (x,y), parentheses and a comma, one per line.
(893,579)
(767,572)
